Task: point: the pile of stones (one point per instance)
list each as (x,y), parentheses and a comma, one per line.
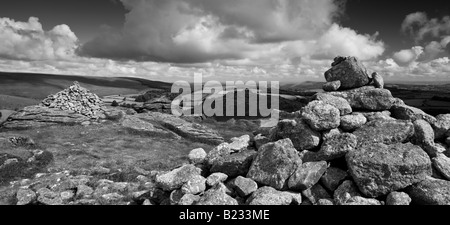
(76,99)
(357,146)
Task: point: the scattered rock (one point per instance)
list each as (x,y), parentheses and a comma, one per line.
(274,164)
(404,112)
(234,165)
(332,86)
(441,126)
(315,193)
(260,140)
(349,71)
(384,131)
(244,186)
(301,135)
(353,122)
(25,197)
(430,192)
(333,178)
(358,200)
(176,178)
(398,198)
(240,143)
(269,196)
(442,164)
(189,199)
(195,185)
(345,192)
(338,102)
(217,153)
(216,178)
(333,148)
(379,169)
(321,116)
(307,175)
(197,156)
(216,196)
(378,80)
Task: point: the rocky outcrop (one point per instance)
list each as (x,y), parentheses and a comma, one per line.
(183,128)
(349,71)
(379,169)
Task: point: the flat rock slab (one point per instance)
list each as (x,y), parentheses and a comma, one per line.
(430,192)
(192,131)
(379,169)
(367,98)
(39,116)
(138,125)
(384,131)
(274,164)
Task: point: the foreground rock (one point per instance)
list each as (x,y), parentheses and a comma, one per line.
(379,169)
(332,86)
(378,80)
(349,71)
(335,147)
(442,126)
(430,192)
(217,196)
(398,198)
(424,137)
(234,165)
(176,178)
(274,164)
(442,164)
(339,103)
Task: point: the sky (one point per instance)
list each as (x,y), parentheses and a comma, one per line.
(280,40)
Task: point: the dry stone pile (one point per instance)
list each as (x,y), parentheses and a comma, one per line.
(77,99)
(356,146)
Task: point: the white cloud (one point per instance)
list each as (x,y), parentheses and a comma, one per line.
(28,40)
(408,56)
(420,26)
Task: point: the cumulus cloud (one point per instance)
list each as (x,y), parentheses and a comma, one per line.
(193,31)
(408,56)
(28,40)
(419,26)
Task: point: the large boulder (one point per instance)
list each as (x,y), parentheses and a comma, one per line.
(338,102)
(384,131)
(301,135)
(192,131)
(379,169)
(321,116)
(274,164)
(430,192)
(367,98)
(404,112)
(349,71)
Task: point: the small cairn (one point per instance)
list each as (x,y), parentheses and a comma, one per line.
(77,99)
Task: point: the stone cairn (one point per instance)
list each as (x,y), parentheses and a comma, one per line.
(76,99)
